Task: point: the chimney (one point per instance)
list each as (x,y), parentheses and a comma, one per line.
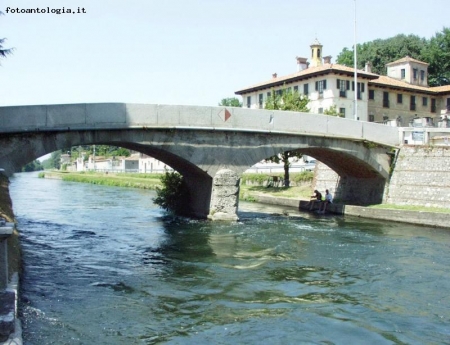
(327,59)
(301,63)
(274,75)
(368,67)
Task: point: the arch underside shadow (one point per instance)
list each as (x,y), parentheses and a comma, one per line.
(199,154)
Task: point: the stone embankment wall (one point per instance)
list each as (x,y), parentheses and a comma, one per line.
(6,212)
(421,177)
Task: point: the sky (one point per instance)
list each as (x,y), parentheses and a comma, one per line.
(186,52)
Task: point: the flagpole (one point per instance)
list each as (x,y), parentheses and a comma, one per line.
(355,72)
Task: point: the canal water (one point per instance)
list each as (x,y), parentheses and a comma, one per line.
(104,265)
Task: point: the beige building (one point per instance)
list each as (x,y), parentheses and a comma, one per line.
(400,97)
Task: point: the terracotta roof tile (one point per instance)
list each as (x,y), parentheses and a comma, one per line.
(307,73)
(388,81)
(406,59)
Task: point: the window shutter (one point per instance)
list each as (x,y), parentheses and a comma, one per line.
(338,84)
(317,85)
(353,86)
(362,87)
(324,84)
(348,84)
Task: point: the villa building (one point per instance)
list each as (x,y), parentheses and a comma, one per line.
(400,98)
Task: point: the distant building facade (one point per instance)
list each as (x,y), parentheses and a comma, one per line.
(396,99)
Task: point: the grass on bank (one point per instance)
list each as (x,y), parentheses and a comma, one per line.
(247,192)
(143,181)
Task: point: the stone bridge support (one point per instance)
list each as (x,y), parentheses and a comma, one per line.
(225,196)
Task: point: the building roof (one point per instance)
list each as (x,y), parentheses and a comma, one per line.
(384,81)
(406,59)
(307,73)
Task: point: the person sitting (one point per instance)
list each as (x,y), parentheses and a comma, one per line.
(316,197)
(328,200)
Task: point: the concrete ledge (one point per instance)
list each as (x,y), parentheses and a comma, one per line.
(10,325)
(7,313)
(434,219)
(425,218)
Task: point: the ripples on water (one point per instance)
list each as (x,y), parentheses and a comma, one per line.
(103,265)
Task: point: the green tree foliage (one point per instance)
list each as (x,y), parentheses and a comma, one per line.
(287,100)
(173,194)
(435,52)
(230,102)
(3,51)
(32,166)
(332,111)
(437,55)
(290,101)
(382,51)
(108,151)
(54,162)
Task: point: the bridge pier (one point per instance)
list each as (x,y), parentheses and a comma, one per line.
(225,196)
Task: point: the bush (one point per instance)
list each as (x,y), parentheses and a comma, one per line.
(173,193)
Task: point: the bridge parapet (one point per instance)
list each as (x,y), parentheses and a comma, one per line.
(63,117)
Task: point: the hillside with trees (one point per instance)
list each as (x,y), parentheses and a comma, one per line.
(434,51)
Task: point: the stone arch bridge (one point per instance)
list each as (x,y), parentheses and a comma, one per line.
(210,146)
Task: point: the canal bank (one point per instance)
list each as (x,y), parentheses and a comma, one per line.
(10,327)
(424,218)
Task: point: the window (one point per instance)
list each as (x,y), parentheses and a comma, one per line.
(249,101)
(399,98)
(342,86)
(320,110)
(414,73)
(424,101)
(318,53)
(371,118)
(305,89)
(433,105)
(403,73)
(268,94)
(296,88)
(371,94)
(386,99)
(360,88)
(320,86)
(279,92)
(422,75)
(412,104)
(261,100)
(342,112)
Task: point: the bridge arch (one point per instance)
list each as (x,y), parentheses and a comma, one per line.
(200,154)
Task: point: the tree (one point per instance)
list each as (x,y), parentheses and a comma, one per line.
(230,102)
(383,51)
(332,111)
(3,51)
(290,101)
(32,166)
(437,55)
(54,162)
(173,194)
